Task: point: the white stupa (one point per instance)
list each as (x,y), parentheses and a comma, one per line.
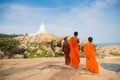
(42,29)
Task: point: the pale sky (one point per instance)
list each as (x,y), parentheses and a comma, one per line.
(99,19)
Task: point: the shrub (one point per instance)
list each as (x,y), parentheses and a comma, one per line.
(8,35)
(7,44)
(82,54)
(114,53)
(53,45)
(33,54)
(17,50)
(100,55)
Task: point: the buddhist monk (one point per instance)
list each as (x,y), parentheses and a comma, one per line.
(66,50)
(89,49)
(74,50)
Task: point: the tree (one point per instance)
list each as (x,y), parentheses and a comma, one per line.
(7,44)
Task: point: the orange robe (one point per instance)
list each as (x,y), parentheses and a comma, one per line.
(91,63)
(74,52)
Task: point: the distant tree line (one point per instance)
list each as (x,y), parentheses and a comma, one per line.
(9,35)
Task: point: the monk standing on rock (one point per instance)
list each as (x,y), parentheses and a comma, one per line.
(89,49)
(74,50)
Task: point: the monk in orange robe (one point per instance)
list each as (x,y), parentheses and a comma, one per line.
(89,49)
(74,50)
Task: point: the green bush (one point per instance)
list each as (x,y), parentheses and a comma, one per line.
(53,44)
(100,55)
(8,35)
(35,44)
(34,54)
(82,54)
(114,53)
(8,43)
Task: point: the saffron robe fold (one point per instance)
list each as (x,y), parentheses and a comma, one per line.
(74,52)
(91,63)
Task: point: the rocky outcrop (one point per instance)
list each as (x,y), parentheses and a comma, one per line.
(46,44)
(39,45)
(42,37)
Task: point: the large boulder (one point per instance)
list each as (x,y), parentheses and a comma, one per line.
(50,53)
(1,55)
(18,56)
(83,42)
(42,37)
(58,50)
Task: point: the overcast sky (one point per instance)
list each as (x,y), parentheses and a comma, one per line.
(97,18)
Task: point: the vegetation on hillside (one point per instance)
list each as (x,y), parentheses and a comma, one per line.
(9,35)
(114,53)
(7,44)
(33,53)
(9,47)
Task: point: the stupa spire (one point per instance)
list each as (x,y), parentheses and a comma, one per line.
(42,29)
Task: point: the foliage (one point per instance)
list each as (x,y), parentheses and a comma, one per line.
(100,55)
(98,49)
(8,43)
(40,46)
(35,44)
(82,54)
(53,45)
(114,53)
(53,41)
(9,47)
(8,35)
(34,54)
